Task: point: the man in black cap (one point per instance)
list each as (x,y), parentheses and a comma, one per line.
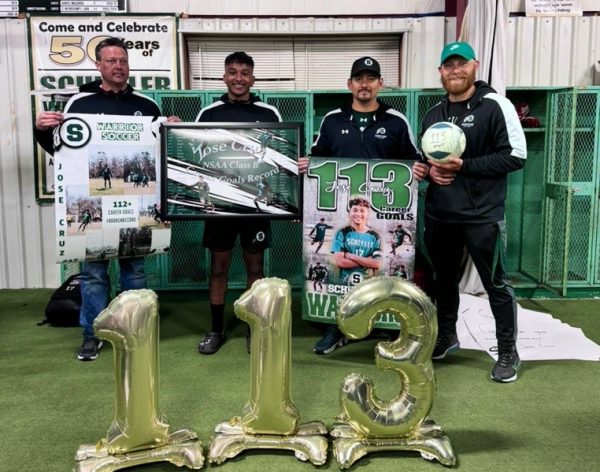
(351,130)
(366,128)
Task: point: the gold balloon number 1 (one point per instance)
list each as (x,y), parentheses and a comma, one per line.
(270,409)
(269,420)
(139,433)
(368,423)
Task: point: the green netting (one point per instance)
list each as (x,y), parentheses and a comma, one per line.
(399,101)
(293,108)
(554,254)
(425,101)
(184,104)
(532,216)
(524,203)
(579,242)
(572,191)
(186,263)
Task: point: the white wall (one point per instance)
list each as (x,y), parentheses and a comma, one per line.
(422,39)
(541,52)
(26,229)
(552,51)
(286,8)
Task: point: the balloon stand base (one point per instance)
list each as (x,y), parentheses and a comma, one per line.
(308,443)
(430,440)
(182,449)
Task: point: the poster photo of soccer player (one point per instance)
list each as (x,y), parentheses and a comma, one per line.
(366,211)
(356,248)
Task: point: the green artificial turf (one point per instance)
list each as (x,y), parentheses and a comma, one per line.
(51,403)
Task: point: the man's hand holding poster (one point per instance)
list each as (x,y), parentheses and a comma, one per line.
(107,181)
(360,221)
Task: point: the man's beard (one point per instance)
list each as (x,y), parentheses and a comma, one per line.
(364,96)
(458,88)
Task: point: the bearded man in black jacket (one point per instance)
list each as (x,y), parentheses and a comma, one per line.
(464,204)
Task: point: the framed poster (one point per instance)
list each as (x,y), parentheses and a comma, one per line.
(360,221)
(231,169)
(107,184)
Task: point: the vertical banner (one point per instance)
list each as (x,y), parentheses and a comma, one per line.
(360,221)
(108,183)
(63,58)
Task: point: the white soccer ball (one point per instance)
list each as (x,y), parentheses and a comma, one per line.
(442,140)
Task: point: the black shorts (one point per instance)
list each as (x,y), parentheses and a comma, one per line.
(220,234)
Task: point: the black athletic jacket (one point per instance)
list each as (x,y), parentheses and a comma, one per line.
(389,136)
(225,110)
(495,146)
(91,99)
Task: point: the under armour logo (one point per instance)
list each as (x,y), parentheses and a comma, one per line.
(363,119)
(345,131)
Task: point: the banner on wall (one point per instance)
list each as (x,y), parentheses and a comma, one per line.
(63,58)
(553,8)
(107,180)
(360,221)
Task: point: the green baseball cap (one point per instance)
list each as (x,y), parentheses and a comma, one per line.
(457,48)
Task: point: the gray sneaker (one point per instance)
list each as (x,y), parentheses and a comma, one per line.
(506,367)
(89,349)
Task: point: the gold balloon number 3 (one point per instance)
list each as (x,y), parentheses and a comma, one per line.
(368,423)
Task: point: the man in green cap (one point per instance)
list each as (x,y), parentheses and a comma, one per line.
(464,205)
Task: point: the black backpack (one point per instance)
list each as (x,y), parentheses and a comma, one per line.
(64,304)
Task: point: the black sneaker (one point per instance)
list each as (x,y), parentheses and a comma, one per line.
(332,340)
(89,349)
(446,344)
(211,343)
(506,367)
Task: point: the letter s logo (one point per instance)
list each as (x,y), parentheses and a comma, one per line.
(74,133)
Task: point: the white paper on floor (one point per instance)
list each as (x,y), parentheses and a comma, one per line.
(540,337)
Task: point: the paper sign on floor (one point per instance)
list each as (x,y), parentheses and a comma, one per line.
(540,336)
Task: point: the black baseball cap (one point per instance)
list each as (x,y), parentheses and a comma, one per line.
(365,64)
